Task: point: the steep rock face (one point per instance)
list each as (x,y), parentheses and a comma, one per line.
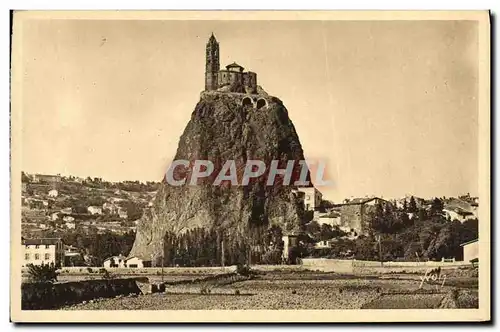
(223,127)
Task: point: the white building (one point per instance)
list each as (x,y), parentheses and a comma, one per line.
(53,193)
(43,251)
(459,214)
(68,219)
(134,262)
(67,210)
(312,198)
(322,244)
(122,213)
(471,250)
(70,225)
(94,210)
(110,208)
(114,261)
(329,220)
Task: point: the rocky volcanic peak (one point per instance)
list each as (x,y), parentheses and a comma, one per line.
(227,126)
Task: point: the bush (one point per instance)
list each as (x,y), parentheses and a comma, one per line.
(273,257)
(45,273)
(106,275)
(243,270)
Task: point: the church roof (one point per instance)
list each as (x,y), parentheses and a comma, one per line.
(234,65)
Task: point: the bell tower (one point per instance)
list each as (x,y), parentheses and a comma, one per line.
(212,64)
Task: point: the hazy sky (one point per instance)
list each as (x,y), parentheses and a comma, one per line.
(390,105)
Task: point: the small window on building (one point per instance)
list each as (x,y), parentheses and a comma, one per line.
(47,257)
(37,246)
(47,246)
(37,256)
(27,256)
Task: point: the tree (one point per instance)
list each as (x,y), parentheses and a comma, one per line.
(134,210)
(326,204)
(412,206)
(436,208)
(422,214)
(366,249)
(45,273)
(376,218)
(24,178)
(313,229)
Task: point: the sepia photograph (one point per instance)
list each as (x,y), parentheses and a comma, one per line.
(271,166)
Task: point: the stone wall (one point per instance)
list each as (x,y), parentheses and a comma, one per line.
(43,296)
(328,265)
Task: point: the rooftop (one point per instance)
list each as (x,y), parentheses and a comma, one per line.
(42,241)
(360,200)
(234,65)
(469,242)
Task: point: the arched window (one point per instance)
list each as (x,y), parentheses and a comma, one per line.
(261,103)
(247,101)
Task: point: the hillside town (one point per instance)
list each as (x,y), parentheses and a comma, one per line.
(58,207)
(63,217)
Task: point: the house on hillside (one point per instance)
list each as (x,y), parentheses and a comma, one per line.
(110,208)
(54,216)
(310,196)
(68,219)
(136,262)
(67,210)
(323,244)
(53,193)
(70,225)
(122,213)
(114,261)
(331,218)
(354,213)
(471,251)
(94,210)
(458,214)
(43,251)
(45,178)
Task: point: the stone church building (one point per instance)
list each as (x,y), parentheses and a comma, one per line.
(232,79)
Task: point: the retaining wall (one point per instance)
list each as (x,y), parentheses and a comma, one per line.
(43,296)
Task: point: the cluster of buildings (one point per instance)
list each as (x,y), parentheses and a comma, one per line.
(43,207)
(47,251)
(352,216)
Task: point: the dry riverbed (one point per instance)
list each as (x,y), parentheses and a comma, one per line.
(286,291)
